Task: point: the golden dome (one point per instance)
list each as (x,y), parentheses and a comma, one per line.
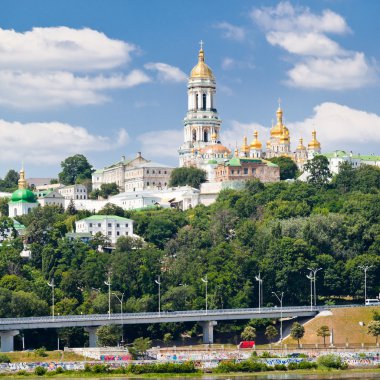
(314,144)
(201,70)
(277,130)
(256,144)
(214,148)
(301,146)
(214,136)
(245,146)
(236,152)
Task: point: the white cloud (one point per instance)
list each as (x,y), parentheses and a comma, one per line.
(231,32)
(229,63)
(49,143)
(46,89)
(167,73)
(338,127)
(61,48)
(320,62)
(312,44)
(333,74)
(161,143)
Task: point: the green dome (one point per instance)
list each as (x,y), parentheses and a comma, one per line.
(23,195)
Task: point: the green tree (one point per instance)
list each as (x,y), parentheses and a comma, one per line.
(297,332)
(71,209)
(345,179)
(187,176)
(167,338)
(270,333)
(141,345)
(323,331)
(4,207)
(374,329)
(249,333)
(288,168)
(318,169)
(111,209)
(108,335)
(108,189)
(10,181)
(74,169)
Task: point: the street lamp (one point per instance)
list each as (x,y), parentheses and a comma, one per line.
(158,282)
(121,311)
(52,285)
(314,272)
(280,300)
(260,280)
(310,277)
(365,268)
(205,280)
(108,283)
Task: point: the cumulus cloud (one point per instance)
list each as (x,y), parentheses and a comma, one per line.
(45,89)
(231,32)
(163,143)
(320,61)
(338,127)
(49,143)
(61,48)
(166,73)
(229,63)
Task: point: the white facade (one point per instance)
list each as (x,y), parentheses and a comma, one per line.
(111,226)
(52,198)
(73,192)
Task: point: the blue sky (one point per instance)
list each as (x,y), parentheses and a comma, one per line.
(108,78)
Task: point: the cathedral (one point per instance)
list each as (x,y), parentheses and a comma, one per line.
(202,145)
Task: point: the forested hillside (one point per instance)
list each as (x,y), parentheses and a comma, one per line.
(277,229)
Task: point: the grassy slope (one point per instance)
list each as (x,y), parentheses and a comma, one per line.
(345,323)
(52,356)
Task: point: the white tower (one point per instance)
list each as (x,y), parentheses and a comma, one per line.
(201,124)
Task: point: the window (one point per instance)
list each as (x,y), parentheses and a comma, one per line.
(204,102)
(109,233)
(205,136)
(194,135)
(165,172)
(109,225)
(147,172)
(196,101)
(99,225)
(90,224)
(126,225)
(117,233)
(147,183)
(245,170)
(232,171)
(159,172)
(126,232)
(117,225)
(153,171)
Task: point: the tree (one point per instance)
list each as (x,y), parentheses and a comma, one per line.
(168,338)
(288,168)
(4,207)
(271,332)
(107,189)
(71,209)
(109,335)
(74,169)
(10,181)
(345,179)
(374,329)
(141,345)
(297,332)
(318,169)
(323,331)
(111,209)
(187,176)
(249,333)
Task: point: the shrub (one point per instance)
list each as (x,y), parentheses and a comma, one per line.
(100,368)
(266,354)
(244,366)
(331,361)
(280,367)
(41,352)
(292,366)
(4,358)
(22,372)
(40,371)
(307,365)
(59,370)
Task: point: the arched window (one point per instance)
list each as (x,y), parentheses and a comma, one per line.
(15,211)
(196,101)
(194,135)
(204,102)
(205,136)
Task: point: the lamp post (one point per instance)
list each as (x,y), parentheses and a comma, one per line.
(108,283)
(310,277)
(205,280)
(365,269)
(260,280)
(280,300)
(121,311)
(314,271)
(52,285)
(158,282)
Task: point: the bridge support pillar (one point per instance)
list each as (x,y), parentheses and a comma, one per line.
(7,340)
(92,337)
(208,331)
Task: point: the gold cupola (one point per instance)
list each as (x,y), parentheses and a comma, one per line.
(22,184)
(201,70)
(300,145)
(256,144)
(214,136)
(245,147)
(278,129)
(314,144)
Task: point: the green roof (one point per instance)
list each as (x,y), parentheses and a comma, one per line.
(105,217)
(212,162)
(23,195)
(234,161)
(342,154)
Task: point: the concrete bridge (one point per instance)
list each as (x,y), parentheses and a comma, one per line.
(9,327)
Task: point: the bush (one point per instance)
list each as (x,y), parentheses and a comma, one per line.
(280,367)
(100,368)
(41,352)
(4,358)
(307,365)
(187,367)
(331,361)
(22,373)
(40,371)
(59,370)
(244,366)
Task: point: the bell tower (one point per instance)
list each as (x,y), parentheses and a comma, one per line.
(201,123)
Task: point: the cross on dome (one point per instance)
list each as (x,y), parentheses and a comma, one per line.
(201,44)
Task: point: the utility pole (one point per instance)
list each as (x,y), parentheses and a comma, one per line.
(314,271)
(108,283)
(158,282)
(365,268)
(205,280)
(280,300)
(260,281)
(311,278)
(121,311)
(52,285)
